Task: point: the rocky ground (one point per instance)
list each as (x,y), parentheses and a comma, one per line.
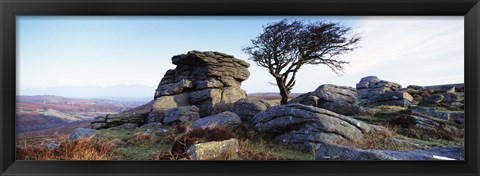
(200,112)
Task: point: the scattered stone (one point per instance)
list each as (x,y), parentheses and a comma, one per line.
(433,99)
(396,98)
(209,80)
(339,99)
(306,127)
(158,128)
(371,86)
(246,109)
(181,114)
(228,120)
(430,112)
(81,133)
(450,98)
(115,120)
(337,152)
(444,99)
(221,150)
(52,146)
(408,121)
(418,93)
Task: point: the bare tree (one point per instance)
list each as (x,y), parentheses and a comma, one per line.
(285,46)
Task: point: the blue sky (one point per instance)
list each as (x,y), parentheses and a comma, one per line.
(129,55)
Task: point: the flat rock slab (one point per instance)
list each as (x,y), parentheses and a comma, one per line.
(228,120)
(115,120)
(306,126)
(337,152)
(216,150)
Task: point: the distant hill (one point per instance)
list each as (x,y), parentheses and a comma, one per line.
(49,111)
(145,108)
(92,91)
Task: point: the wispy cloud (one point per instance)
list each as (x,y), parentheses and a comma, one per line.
(407,50)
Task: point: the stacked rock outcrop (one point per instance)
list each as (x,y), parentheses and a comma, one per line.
(209,80)
(371,86)
(380,92)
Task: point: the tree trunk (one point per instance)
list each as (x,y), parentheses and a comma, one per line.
(283,91)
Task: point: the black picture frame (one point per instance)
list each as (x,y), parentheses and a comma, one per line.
(9,9)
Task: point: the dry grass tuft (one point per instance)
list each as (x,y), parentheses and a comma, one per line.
(145,139)
(379,140)
(246,152)
(443,133)
(82,149)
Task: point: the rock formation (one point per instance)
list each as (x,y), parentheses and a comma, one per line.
(371,86)
(430,112)
(228,120)
(209,80)
(202,84)
(433,99)
(443,99)
(395,98)
(246,109)
(409,121)
(306,126)
(337,152)
(128,120)
(339,99)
